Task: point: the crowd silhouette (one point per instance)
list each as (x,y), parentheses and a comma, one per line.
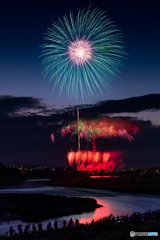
(149,216)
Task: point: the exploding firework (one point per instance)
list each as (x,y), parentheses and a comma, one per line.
(102,128)
(91,129)
(91,161)
(83,55)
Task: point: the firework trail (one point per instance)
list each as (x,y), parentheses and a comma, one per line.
(52,137)
(82,54)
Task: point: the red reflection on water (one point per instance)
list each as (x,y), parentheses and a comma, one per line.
(104,211)
(104,176)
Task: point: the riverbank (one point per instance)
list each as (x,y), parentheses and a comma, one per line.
(148,184)
(36,207)
(108,228)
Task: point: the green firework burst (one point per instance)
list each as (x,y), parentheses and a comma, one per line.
(83,55)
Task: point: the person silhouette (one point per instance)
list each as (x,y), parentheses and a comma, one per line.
(26,228)
(77,222)
(11,231)
(40,226)
(55,224)
(33,228)
(64,223)
(20,229)
(49,226)
(70,224)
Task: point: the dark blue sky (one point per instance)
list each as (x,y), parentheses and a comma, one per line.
(26,123)
(24,22)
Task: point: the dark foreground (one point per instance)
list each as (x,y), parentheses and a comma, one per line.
(36,207)
(109,228)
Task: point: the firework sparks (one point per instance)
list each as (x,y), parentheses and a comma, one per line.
(80,52)
(83,56)
(52,137)
(102,128)
(99,128)
(91,161)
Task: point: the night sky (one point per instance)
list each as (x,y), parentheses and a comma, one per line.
(29,110)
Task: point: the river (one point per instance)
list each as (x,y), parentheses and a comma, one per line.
(113,202)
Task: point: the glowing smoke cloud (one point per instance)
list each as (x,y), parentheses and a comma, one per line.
(82,54)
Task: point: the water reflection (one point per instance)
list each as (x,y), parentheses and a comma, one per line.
(104,176)
(96,215)
(113,203)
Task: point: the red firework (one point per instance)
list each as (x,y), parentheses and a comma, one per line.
(91,161)
(99,128)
